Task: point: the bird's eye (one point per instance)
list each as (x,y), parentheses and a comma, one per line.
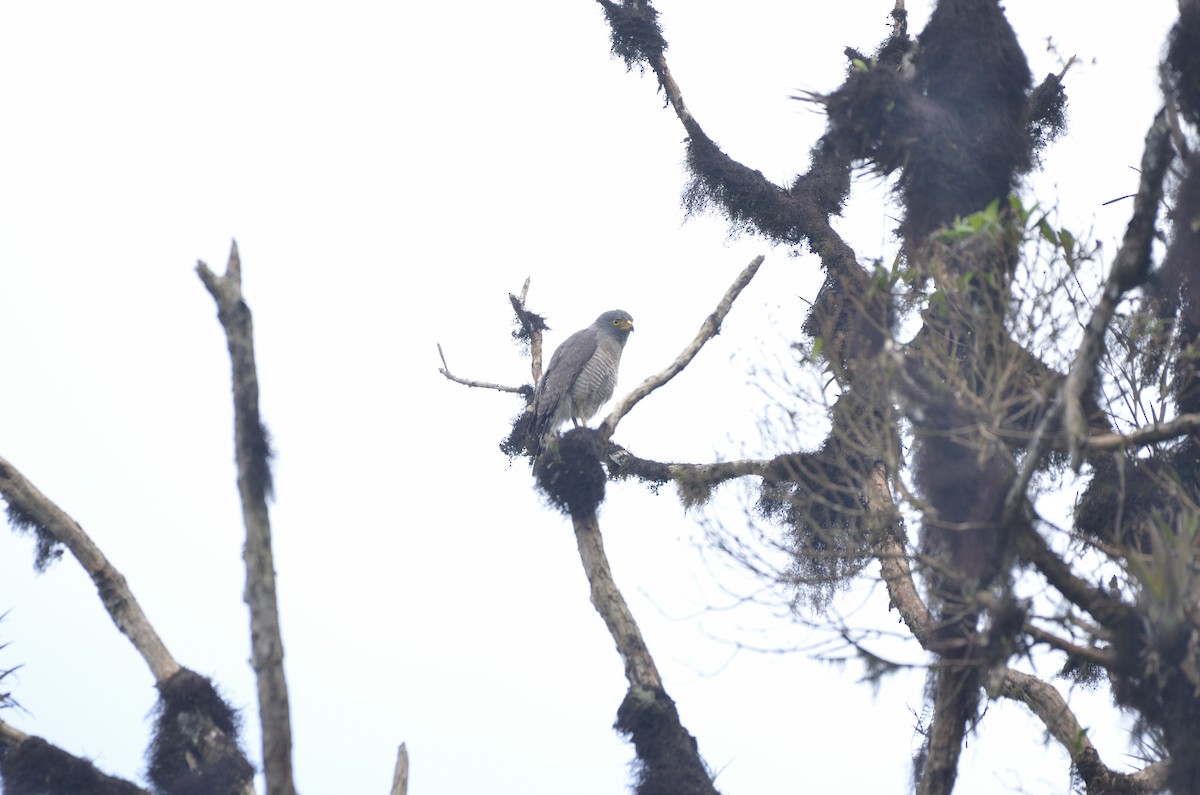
(616,322)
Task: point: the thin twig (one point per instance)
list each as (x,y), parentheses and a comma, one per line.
(1066,67)
(445,370)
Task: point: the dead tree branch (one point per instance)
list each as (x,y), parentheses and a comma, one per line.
(400,774)
(667,754)
(708,329)
(640,670)
(1095,656)
(177,754)
(29,506)
(1145,435)
(532,325)
(254,485)
(445,370)
(894,564)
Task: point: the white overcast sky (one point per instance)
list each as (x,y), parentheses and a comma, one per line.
(390,172)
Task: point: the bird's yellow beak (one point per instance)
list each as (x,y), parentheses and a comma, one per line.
(626,325)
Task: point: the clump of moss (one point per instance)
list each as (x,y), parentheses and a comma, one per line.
(569,472)
(637,37)
(195,747)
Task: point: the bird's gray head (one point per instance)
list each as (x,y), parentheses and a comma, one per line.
(617,322)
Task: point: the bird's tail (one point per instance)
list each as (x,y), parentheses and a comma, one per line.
(541,429)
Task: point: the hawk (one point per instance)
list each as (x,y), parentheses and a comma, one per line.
(581,375)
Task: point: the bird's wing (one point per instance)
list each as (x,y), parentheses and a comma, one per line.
(565,366)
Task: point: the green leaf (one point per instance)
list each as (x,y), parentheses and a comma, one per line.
(1048,231)
(1014,204)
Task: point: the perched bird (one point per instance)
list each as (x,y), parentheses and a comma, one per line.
(581,375)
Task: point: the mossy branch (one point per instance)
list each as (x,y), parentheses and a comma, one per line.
(115,593)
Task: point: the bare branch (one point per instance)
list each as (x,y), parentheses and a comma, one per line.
(708,329)
(445,370)
(195,752)
(671,88)
(640,670)
(1067,66)
(114,591)
(254,486)
(1129,269)
(1093,655)
(1147,434)
(894,564)
(400,775)
(665,749)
